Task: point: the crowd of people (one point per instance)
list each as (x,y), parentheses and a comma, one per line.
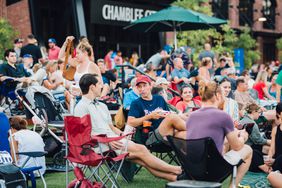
(235,109)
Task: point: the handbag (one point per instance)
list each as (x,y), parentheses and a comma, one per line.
(68,72)
(119,118)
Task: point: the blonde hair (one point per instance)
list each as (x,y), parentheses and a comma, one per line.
(207,90)
(262,76)
(36,67)
(85,46)
(50,64)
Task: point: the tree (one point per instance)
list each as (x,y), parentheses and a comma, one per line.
(225,40)
(7,34)
(279,47)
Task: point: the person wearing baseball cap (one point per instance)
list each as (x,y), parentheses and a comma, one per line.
(53,52)
(163,83)
(18,44)
(153,109)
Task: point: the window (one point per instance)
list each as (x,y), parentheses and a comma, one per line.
(268,12)
(10,2)
(246,12)
(220,8)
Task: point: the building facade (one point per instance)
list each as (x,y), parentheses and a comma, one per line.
(102,21)
(264,17)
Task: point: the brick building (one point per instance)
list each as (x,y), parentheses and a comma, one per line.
(53,18)
(263,16)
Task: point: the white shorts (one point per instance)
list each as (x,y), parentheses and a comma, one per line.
(232,157)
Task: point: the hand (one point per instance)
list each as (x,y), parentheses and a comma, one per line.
(184,116)
(71,38)
(186,80)
(269,162)
(263,109)
(116,145)
(155,115)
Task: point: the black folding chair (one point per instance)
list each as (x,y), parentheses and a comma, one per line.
(201,160)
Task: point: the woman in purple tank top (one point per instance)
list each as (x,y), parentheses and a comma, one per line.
(209,121)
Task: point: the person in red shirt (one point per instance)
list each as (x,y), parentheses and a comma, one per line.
(261,86)
(54,50)
(188,103)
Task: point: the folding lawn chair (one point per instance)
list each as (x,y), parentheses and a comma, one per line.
(201,160)
(86,152)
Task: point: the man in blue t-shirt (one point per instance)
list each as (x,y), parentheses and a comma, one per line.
(154,109)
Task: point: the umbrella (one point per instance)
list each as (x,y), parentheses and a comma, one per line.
(175,19)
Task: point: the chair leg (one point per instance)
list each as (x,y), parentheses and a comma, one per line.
(234,174)
(32,179)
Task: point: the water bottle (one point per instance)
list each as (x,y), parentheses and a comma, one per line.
(72,103)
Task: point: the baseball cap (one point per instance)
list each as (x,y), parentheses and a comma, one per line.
(161,81)
(18,40)
(143,79)
(51,40)
(27,56)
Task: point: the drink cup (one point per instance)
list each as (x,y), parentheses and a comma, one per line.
(266,158)
(147,124)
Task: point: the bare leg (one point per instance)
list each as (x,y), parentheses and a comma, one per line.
(173,122)
(137,151)
(246,154)
(275,179)
(160,174)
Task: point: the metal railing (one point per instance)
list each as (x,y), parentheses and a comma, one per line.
(141,72)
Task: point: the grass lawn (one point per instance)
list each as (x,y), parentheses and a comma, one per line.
(141,180)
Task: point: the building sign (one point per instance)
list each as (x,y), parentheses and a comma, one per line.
(118,13)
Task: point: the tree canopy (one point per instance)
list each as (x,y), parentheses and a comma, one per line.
(223,40)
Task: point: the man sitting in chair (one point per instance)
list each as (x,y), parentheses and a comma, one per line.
(13,70)
(154,109)
(91,85)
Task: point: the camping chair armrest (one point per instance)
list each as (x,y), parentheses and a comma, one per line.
(105,139)
(33,154)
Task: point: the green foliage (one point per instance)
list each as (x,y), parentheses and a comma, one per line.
(279,44)
(7,34)
(195,5)
(224,41)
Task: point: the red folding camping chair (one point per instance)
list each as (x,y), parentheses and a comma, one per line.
(87,157)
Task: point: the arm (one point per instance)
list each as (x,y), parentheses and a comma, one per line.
(14,149)
(94,69)
(256,137)
(266,93)
(49,85)
(135,122)
(278,93)
(116,130)
(63,48)
(271,151)
(236,140)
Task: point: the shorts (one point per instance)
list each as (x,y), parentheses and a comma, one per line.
(233,157)
(154,138)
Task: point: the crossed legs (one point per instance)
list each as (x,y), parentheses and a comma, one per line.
(173,124)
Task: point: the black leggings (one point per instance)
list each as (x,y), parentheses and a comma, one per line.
(277,165)
(257,160)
